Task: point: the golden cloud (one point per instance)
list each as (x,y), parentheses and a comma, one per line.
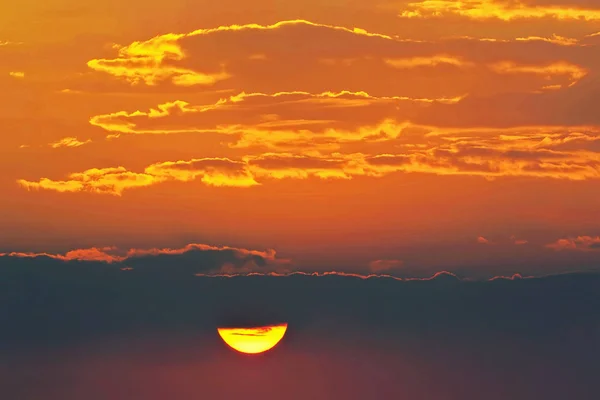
(488,154)
(432,61)
(189,59)
(554,39)
(260,112)
(211,171)
(69,142)
(9,43)
(95,180)
(151,61)
(573,72)
(496,9)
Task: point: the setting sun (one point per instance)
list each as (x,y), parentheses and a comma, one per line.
(253,340)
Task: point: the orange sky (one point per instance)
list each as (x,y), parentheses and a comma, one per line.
(363,135)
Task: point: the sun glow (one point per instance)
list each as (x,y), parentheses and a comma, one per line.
(253,340)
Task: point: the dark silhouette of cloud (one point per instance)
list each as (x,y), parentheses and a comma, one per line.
(65,322)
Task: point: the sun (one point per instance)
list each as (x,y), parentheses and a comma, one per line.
(253,340)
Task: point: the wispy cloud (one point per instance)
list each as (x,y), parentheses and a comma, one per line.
(573,72)
(151,61)
(68,142)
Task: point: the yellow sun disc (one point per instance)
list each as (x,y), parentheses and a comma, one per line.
(253,340)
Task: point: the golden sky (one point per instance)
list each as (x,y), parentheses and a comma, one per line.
(356,135)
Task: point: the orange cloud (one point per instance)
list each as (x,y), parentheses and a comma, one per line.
(192,58)
(248,105)
(69,142)
(95,180)
(482,240)
(151,61)
(580,243)
(91,254)
(573,72)
(8,43)
(414,62)
(492,156)
(554,39)
(17,74)
(116,255)
(287,165)
(495,9)
(211,171)
(485,153)
(269,254)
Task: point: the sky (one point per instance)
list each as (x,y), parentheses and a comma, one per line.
(411,185)
(342,135)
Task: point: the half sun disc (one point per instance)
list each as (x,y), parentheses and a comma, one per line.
(253,340)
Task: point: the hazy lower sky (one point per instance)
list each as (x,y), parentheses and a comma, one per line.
(358,136)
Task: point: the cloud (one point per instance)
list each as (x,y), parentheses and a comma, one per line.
(512,239)
(488,154)
(579,243)
(496,9)
(482,240)
(68,142)
(514,277)
(91,254)
(332,58)
(432,61)
(205,261)
(190,259)
(17,74)
(573,72)
(286,165)
(300,122)
(211,171)
(292,109)
(111,180)
(554,39)
(114,180)
(151,61)
(442,276)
